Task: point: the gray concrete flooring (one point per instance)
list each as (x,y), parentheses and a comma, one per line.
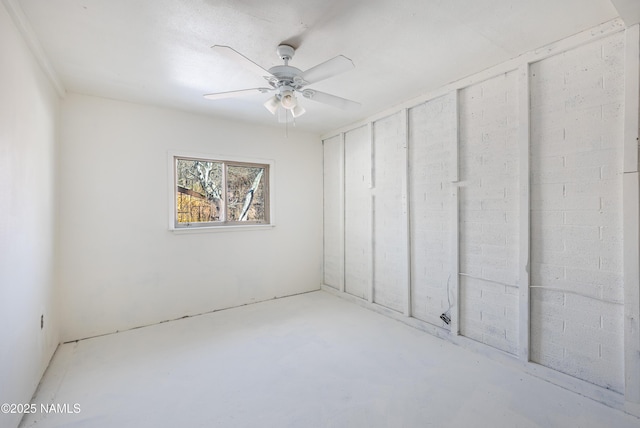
(312,360)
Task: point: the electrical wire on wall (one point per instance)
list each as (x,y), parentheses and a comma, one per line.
(446,315)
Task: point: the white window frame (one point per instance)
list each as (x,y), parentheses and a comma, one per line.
(221,226)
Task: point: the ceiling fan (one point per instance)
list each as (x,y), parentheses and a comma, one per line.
(284,81)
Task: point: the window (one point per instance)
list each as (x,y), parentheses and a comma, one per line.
(214,192)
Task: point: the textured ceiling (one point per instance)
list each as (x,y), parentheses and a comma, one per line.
(158,51)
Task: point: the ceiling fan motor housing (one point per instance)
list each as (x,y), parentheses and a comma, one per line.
(285,75)
(285,52)
(285,81)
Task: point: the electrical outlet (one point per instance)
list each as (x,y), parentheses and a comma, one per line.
(445,318)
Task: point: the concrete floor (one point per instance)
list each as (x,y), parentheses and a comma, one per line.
(311,360)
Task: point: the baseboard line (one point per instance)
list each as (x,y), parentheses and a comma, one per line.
(190,316)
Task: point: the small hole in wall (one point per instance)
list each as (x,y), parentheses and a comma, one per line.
(41,322)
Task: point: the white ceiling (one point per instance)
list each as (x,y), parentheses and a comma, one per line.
(158,51)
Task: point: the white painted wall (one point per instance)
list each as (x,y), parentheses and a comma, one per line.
(529,174)
(488,154)
(577,124)
(357,213)
(333,186)
(120,266)
(28,114)
(432,143)
(390,246)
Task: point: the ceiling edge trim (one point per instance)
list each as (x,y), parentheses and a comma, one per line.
(22,23)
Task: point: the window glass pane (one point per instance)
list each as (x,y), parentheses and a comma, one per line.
(246,193)
(198,191)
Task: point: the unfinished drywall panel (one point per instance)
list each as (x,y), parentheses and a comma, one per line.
(577,122)
(29,328)
(333,211)
(390,246)
(489,198)
(357,147)
(432,142)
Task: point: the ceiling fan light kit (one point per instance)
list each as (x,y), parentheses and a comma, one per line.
(272,104)
(288,99)
(298,111)
(286,80)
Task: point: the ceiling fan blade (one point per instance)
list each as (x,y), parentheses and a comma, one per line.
(234,94)
(331,100)
(240,59)
(327,69)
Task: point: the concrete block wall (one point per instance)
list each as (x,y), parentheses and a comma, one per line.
(390,247)
(333,213)
(489,182)
(577,299)
(499,199)
(432,143)
(357,213)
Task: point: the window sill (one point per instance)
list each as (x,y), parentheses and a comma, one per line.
(208,229)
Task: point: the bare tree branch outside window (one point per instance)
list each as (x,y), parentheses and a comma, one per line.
(213,192)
